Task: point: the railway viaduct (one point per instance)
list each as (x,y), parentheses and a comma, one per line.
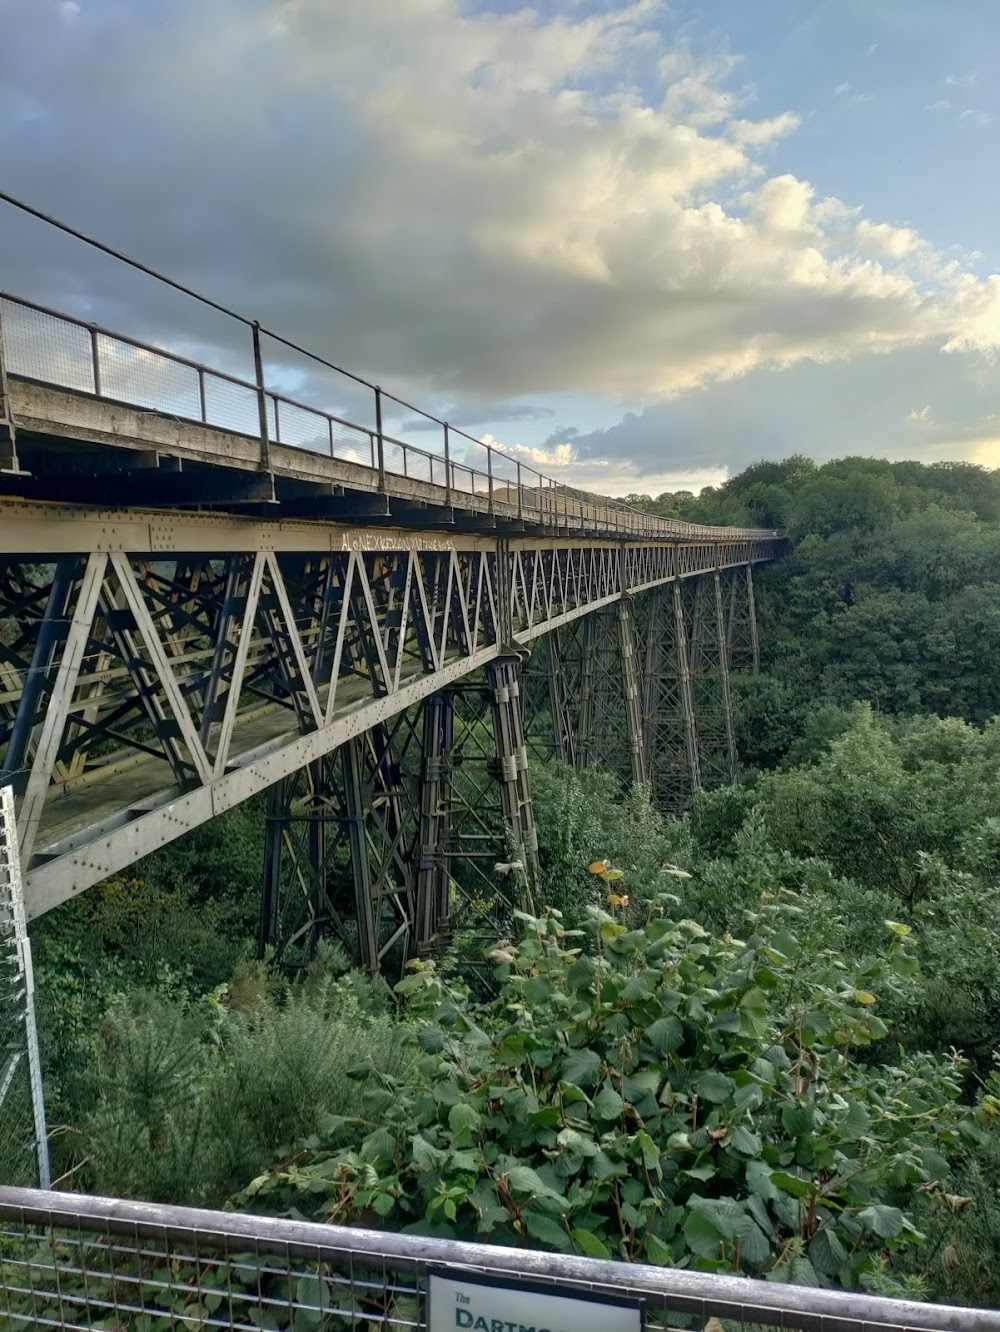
(210,590)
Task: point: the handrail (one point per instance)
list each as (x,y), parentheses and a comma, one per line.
(523,488)
(355,1251)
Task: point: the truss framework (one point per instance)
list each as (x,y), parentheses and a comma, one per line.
(157,669)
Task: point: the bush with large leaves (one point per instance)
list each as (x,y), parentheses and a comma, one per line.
(661,1096)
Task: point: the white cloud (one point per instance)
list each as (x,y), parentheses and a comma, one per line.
(894,242)
(755,133)
(960,80)
(872,49)
(973,116)
(549,458)
(842,88)
(485,206)
(921,416)
(942,104)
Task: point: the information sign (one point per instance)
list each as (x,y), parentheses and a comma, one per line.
(457,1302)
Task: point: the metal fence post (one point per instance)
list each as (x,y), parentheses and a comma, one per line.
(379,439)
(447,468)
(258,369)
(8,431)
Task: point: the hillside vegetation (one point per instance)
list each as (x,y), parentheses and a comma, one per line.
(758,1039)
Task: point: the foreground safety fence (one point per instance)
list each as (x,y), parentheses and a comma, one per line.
(72,1261)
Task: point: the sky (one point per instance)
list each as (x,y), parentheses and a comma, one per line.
(640,244)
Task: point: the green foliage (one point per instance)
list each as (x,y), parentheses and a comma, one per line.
(578,811)
(889,593)
(656,1094)
(192,1099)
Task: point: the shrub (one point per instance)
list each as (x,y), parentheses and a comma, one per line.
(668,1097)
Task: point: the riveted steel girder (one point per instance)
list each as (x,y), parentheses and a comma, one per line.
(158,668)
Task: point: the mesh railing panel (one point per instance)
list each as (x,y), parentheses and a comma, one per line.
(352,444)
(41,346)
(302,428)
(77,1262)
(231,406)
(133,374)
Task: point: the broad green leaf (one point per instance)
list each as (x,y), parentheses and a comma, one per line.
(666,1034)
(431,1040)
(581,1067)
(547,1230)
(797,1120)
(755,1247)
(608,1104)
(826,1253)
(855,1122)
(798,1188)
(462,1117)
(713,1086)
(745,1142)
(425,1154)
(589,1244)
(657,1253)
(703,1235)
(885,1221)
(525,1180)
(758,1177)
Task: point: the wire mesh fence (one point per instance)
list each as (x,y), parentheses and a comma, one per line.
(76,1262)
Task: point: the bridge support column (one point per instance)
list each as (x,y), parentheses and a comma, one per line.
(512,757)
(336,860)
(611,729)
(433,879)
(741,621)
(709,659)
(391,843)
(671,737)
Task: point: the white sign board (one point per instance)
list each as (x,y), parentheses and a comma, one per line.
(460,1303)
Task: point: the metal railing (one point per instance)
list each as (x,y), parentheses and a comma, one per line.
(77,1262)
(59,350)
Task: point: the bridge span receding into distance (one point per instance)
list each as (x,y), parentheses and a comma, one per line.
(211,590)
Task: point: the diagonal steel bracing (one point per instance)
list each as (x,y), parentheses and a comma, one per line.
(157,668)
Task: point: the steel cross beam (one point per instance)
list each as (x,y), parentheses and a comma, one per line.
(157,668)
